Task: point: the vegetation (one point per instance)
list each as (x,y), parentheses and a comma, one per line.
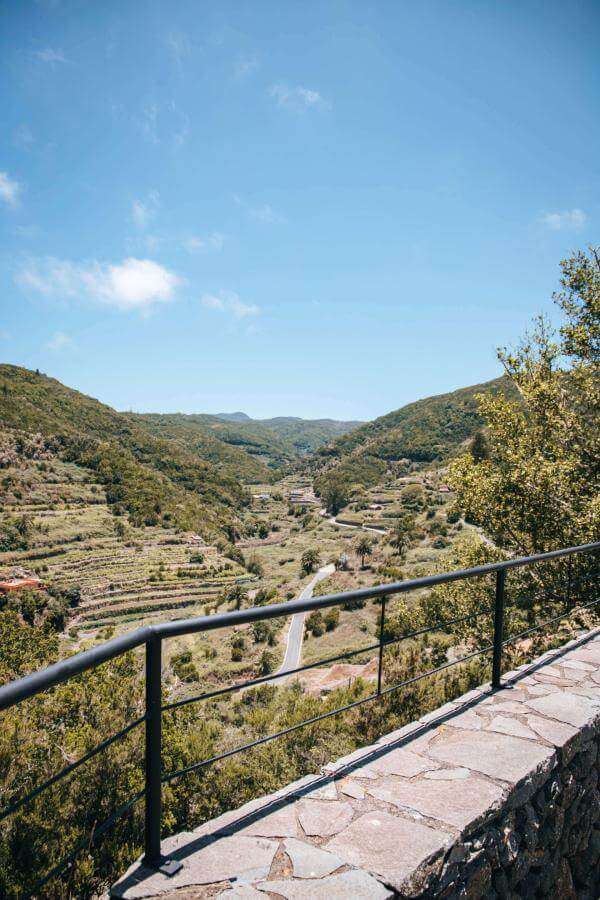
(423,432)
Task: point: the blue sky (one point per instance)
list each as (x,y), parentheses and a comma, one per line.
(316,208)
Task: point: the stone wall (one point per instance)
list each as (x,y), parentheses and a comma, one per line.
(494,795)
(548,844)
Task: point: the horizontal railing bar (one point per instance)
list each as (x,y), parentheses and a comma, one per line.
(563,615)
(25,687)
(340,709)
(448,665)
(264,679)
(206,762)
(179,627)
(87,841)
(321,662)
(17,804)
(546,595)
(22,688)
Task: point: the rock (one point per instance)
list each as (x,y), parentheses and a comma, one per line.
(308,861)
(496,755)
(388,846)
(322,818)
(355,885)
(236,857)
(441,800)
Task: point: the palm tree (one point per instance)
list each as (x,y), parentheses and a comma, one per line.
(400,536)
(364,548)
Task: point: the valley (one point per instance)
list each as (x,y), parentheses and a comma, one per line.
(67,520)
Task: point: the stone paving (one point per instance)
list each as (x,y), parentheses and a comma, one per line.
(378,822)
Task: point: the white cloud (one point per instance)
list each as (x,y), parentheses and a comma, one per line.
(130,285)
(569,219)
(51,56)
(9,189)
(142,212)
(244,67)
(59,341)
(297,98)
(264,213)
(210,244)
(229,302)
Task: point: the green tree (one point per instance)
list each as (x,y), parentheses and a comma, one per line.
(538,489)
(334,493)
(310,560)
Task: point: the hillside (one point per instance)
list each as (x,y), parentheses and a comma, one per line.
(425,431)
(154,480)
(298,435)
(252,447)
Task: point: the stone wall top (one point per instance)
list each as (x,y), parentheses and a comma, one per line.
(388,819)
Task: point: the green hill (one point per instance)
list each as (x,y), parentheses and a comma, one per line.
(245,449)
(153,479)
(426,431)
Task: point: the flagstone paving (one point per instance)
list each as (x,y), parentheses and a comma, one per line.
(378,821)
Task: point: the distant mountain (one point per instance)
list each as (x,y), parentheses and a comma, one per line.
(428,430)
(300,435)
(233,417)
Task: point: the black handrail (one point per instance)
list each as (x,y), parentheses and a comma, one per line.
(152,636)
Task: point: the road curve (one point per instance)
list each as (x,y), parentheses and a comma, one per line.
(293,648)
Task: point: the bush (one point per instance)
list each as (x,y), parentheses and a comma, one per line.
(332,619)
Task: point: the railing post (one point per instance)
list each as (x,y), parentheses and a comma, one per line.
(381,627)
(152,855)
(498,629)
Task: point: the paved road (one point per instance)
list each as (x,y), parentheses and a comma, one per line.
(293,649)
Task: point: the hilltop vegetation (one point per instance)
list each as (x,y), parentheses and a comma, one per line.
(427,431)
(276,443)
(306,435)
(153,480)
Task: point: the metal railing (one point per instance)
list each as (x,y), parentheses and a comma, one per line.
(152,637)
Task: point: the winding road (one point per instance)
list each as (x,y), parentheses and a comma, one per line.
(293,649)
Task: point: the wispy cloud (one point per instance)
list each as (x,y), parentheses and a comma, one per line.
(297,98)
(572,219)
(51,56)
(229,302)
(179,48)
(9,189)
(60,341)
(244,67)
(213,243)
(264,213)
(164,123)
(133,284)
(143,212)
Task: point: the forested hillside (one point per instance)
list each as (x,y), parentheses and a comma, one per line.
(425,431)
(153,480)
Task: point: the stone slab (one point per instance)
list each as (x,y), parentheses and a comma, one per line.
(572,709)
(402,762)
(236,857)
(445,801)
(497,755)
(388,846)
(309,861)
(322,818)
(347,886)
